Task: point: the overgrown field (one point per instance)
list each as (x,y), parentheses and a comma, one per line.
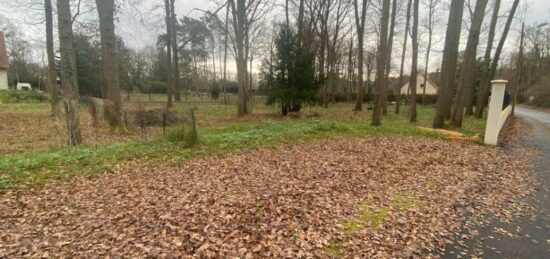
(33,146)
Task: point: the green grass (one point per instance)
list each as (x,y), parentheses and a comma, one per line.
(219,132)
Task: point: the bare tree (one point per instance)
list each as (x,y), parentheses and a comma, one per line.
(226,44)
(414,63)
(448,64)
(467,77)
(169,72)
(360,16)
(52,73)
(484,89)
(69,80)
(245,14)
(519,68)
(432,4)
(381,60)
(388,58)
(175,55)
(403,54)
(341,9)
(109,65)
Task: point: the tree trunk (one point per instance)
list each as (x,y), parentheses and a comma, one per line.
(414,64)
(448,65)
(403,52)
(388,58)
(109,64)
(519,69)
(226,44)
(467,77)
(360,16)
(381,60)
(69,80)
(52,73)
(484,91)
(431,10)
(175,54)
(240,27)
(169,75)
(350,70)
(486,60)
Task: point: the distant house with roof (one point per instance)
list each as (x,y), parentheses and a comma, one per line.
(3,63)
(431,86)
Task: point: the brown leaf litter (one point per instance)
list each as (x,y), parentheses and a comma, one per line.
(367,197)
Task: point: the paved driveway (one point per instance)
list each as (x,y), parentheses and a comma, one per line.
(534,116)
(531,237)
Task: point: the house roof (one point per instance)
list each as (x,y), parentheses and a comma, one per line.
(421,77)
(3,53)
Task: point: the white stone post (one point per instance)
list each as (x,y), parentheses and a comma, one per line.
(495,109)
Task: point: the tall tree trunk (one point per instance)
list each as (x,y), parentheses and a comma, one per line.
(486,60)
(350,70)
(109,64)
(381,60)
(175,54)
(240,26)
(414,63)
(52,73)
(69,80)
(467,77)
(431,10)
(519,69)
(226,44)
(448,65)
(484,91)
(403,54)
(360,16)
(323,50)
(388,58)
(169,75)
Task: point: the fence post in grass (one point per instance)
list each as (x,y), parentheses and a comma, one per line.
(164,118)
(126,119)
(497,114)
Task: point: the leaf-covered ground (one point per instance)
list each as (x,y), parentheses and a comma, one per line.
(365,197)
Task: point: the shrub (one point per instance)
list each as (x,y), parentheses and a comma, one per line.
(180,134)
(156,87)
(215,90)
(23,97)
(153,117)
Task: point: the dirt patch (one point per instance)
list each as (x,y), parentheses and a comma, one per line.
(371,197)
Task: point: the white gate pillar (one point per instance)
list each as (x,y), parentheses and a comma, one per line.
(495,110)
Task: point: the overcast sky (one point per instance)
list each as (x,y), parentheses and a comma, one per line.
(139,24)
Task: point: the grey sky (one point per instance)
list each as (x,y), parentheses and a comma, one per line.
(140,24)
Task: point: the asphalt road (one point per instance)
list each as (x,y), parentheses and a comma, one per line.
(534,116)
(531,235)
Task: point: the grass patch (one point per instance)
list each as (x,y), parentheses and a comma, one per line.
(220,132)
(366,217)
(333,251)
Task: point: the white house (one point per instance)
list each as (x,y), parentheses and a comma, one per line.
(3,63)
(431,87)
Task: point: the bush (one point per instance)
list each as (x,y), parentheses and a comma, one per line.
(23,97)
(215,90)
(431,99)
(180,134)
(156,87)
(154,117)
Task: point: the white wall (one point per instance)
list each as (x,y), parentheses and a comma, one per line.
(430,89)
(3,79)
